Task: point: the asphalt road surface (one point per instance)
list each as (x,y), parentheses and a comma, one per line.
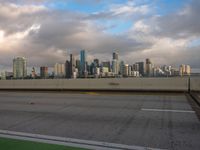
(164,121)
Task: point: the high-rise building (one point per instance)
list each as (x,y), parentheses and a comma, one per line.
(121,68)
(44,72)
(141,68)
(72,66)
(115,63)
(19,67)
(83,67)
(115,66)
(135,67)
(184,70)
(130,70)
(96,62)
(3,75)
(115,55)
(59,70)
(126,70)
(167,70)
(96,71)
(78,65)
(106,64)
(187,69)
(175,72)
(149,67)
(6,75)
(104,70)
(67,69)
(33,73)
(9,75)
(92,68)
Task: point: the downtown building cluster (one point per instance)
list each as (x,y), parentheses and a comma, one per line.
(80,68)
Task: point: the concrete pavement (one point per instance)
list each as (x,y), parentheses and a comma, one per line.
(164,121)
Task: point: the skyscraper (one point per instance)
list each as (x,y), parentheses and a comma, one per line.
(126,70)
(78,65)
(72,65)
(115,63)
(33,73)
(82,62)
(121,68)
(67,69)
(115,55)
(96,62)
(188,69)
(135,67)
(59,70)
(130,70)
(149,67)
(184,70)
(141,68)
(115,66)
(44,72)
(19,67)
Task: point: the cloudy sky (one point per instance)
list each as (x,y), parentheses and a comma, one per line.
(47,31)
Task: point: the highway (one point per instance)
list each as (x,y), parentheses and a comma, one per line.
(155,120)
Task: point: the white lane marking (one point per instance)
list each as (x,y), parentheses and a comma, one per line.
(70,141)
(168,110)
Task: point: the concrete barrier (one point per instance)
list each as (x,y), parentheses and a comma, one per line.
(123,84)
(195,83)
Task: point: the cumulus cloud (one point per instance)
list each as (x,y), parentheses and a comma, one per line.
(46,36)
(183,24)
(13,10)
(130,8)
(127,11)
(170,36)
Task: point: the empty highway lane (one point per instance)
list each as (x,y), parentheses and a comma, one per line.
(164,121)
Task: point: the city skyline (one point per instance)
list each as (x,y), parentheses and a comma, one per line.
(114,65)
(43,31)
(78,67)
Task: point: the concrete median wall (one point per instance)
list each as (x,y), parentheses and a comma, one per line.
(195,84)
(135,84)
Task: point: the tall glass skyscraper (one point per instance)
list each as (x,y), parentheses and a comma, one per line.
(82,62)
(19,67)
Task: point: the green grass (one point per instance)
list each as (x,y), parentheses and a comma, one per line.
(12,144)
